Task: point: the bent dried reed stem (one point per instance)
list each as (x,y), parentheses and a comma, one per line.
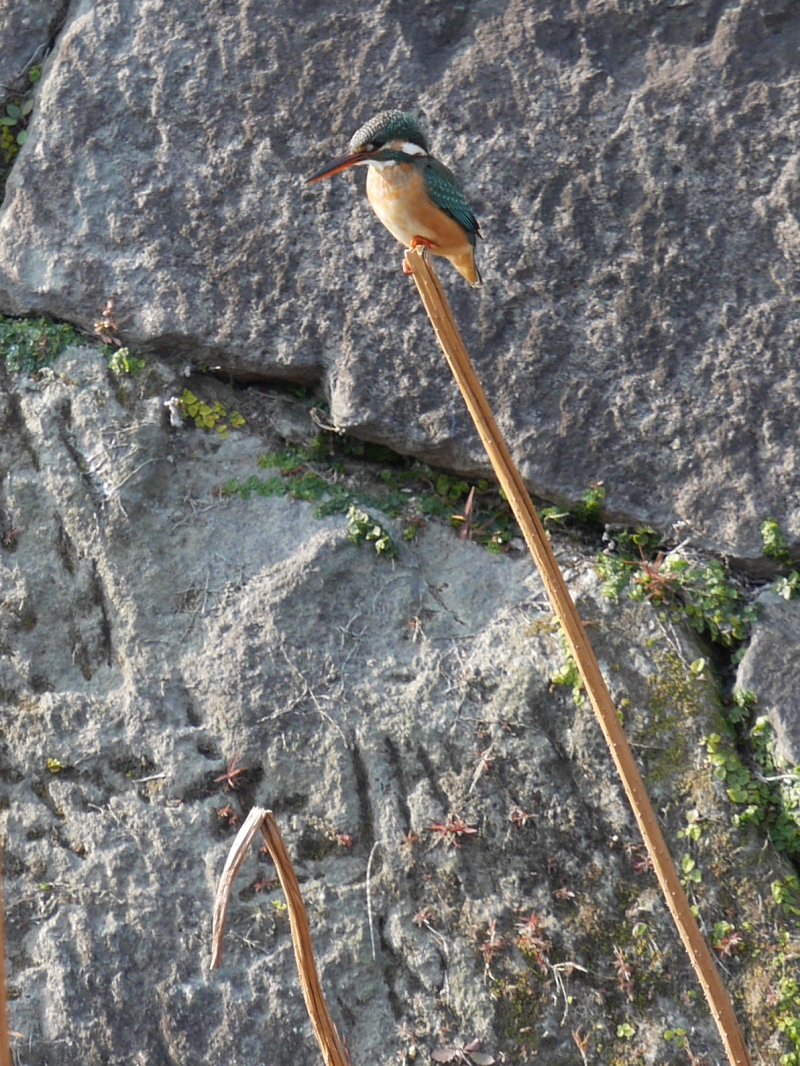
(438,309)
(5,1044)
(263,820)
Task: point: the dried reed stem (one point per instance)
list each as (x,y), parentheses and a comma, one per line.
(438,309)
(263,820)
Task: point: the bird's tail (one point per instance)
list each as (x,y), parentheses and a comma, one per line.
(465,265)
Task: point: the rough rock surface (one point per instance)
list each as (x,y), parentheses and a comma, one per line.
(152,629)
(769,669)
(634,166)
(26,27)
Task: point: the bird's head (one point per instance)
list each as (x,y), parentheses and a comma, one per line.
(388,138)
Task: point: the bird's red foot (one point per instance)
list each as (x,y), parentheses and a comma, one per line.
(422,242)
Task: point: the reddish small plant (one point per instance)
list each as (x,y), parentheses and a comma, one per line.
(519,817)
(9,538)
(730,944)
(532,940)
(424,916)
(582,1042)
(106,327)
(467,1053)
(658,587)
(564,893)
(624,973)
(492,945)
(344,840)
(406,1033)
(465,519)
(266,884)
(640,857)
(452,829)
(229,816)
(484,764)
(229,778)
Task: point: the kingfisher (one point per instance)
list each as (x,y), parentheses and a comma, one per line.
(417,198)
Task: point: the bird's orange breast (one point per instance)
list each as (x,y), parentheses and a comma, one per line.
(400,199)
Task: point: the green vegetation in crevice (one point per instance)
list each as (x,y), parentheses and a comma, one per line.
(208,416)
(762,792)
(699,592)
(773,541)
(570,676)
(362,528)
(411,491)
(31,344)
(743,922)
(123,364)
(775,547)
(14,118)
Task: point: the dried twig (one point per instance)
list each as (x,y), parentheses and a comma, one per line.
(444,325)
(264,821)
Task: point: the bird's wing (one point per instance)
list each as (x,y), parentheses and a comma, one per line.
(445,191)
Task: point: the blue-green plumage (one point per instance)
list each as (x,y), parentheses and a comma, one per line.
(389,126)
(444,189)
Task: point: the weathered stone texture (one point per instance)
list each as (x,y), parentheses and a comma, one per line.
(26,27)
(770,669)
(634,166)
(152,629)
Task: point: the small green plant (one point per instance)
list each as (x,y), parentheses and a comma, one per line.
(786,894)
(726,939)
(569,675)
(701,592)
(789,586)
(677,1036)
(30,344)
(787,1017)
(13,123)
(122,362)
(362,527)
(692,874)
(625,1031)
(694,830)
(768,797)
(743,703)
(554,515)
(410,489)
(205,416)
(773,540)
(588,510)
(54,766)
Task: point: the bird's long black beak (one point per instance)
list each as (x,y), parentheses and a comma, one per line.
(340,164)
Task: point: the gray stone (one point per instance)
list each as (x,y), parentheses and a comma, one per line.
(770,669)
(634,168)
(26,27)
(153,628)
